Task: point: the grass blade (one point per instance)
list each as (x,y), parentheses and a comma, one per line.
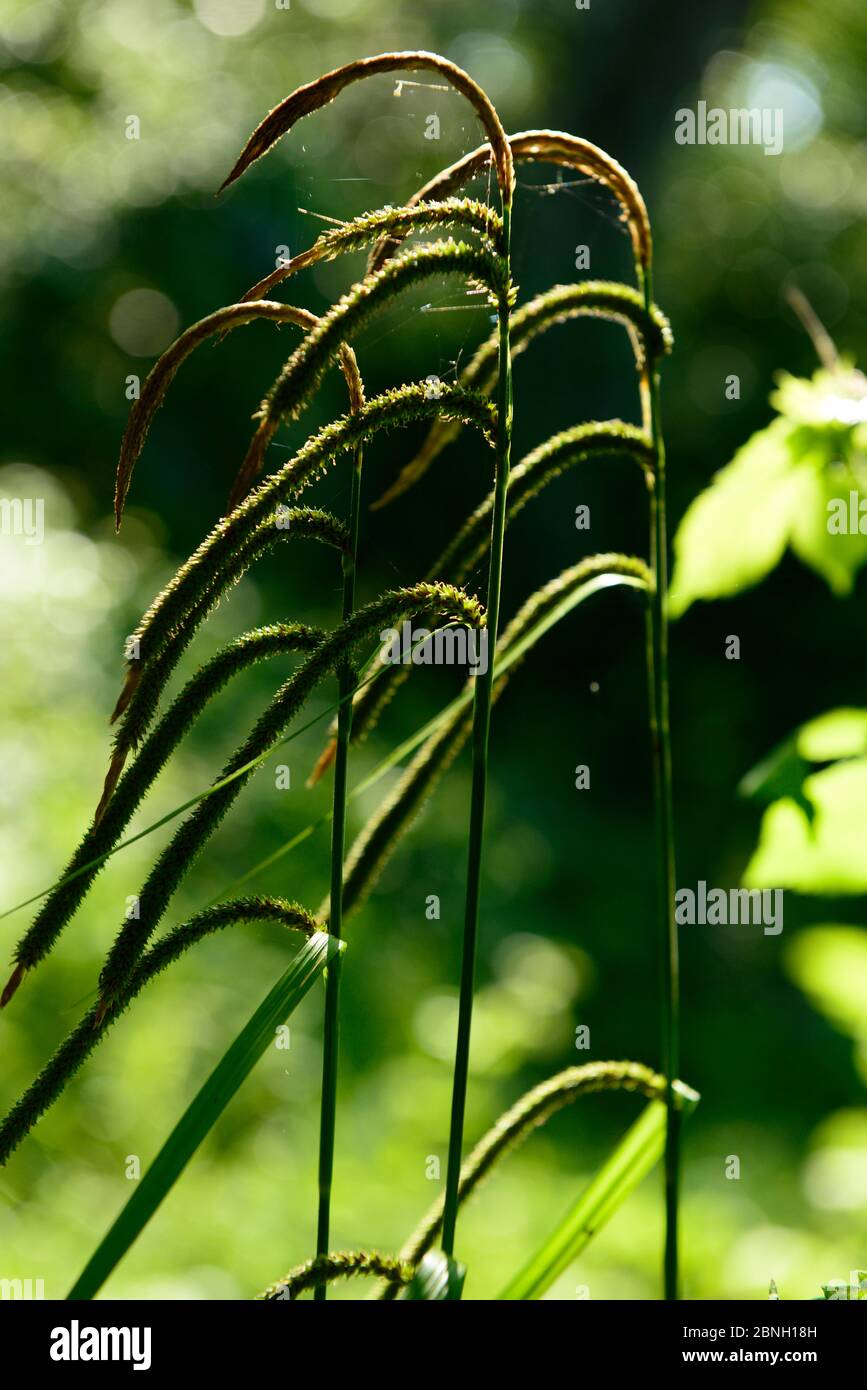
(636,1154)
(203,1112)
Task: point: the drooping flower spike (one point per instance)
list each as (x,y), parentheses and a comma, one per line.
(543,147)
(463,213)
(314,95)
(164,371)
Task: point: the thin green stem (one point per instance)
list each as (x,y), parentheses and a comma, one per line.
(664,819)
(346,680)
(481,733)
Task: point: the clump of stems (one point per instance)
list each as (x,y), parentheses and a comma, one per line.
(291,392)
(259,513)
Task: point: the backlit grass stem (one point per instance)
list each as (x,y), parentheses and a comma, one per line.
(346,679)
(481,736)
(657,664)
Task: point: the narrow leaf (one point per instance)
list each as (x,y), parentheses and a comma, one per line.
(635,1155)
(203,1113)
(816,841)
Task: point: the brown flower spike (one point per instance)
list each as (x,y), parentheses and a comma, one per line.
(314,95)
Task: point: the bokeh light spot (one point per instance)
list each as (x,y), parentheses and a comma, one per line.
(143,322)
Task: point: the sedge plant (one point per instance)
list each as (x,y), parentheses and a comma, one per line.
(263,510)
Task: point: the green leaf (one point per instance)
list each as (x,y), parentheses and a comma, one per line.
(736,531)
(836,555)
(204,1111)
(825,852)
(814,835)
(828,400)
(841,733)
(829,964)
(780,774)
(634,1157)
(855,1290)
(438,1279)
(800,482)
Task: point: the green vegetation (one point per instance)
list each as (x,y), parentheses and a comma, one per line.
(243,536)
(260,673)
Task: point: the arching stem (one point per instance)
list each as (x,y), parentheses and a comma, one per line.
(328,1111)
(481,733)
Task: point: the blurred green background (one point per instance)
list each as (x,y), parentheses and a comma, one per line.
(108,246)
